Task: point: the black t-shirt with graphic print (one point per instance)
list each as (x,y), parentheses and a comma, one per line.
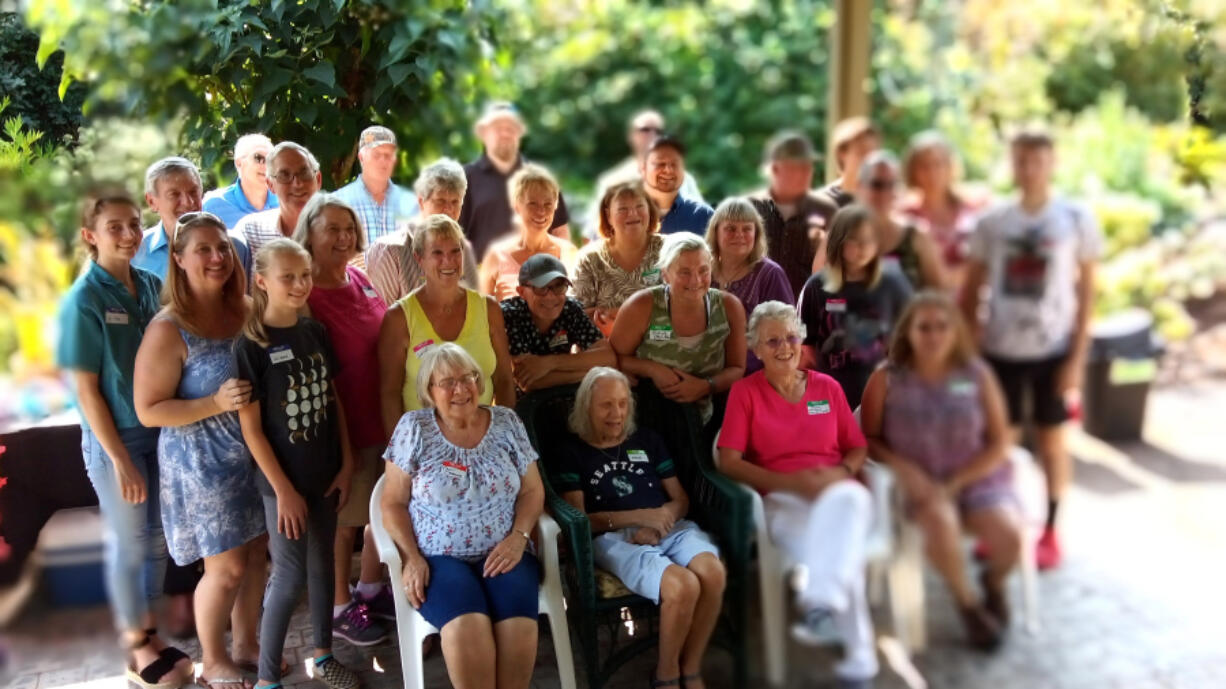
(291,380)
(625,477)
(572,328)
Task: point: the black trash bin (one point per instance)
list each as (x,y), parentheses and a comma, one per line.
(1120,367)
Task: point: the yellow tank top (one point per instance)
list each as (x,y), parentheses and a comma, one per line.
(474,338)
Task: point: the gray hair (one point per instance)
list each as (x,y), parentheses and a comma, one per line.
(443,173)
(169,166)
(580,419)
(773,311)
(247,142)
(874,160)
(448,356)
(679,243)
(314,209)
(284,146)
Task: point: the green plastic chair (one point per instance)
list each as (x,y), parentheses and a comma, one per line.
(716,504)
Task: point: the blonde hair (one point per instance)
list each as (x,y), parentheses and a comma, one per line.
(736,209)
(531,176)
(901,352)
(845,223)
(616,191)
(435,227)
(314,210)
(175,294)
(254,328)
(580,419)
(679,243)
(932,141)
(447,355)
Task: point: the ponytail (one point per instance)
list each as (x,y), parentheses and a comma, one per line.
(254,329)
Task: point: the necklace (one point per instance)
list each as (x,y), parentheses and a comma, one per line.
(617,451)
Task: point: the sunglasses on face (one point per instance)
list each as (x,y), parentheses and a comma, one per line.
(556,290)
(451,383)
(777,342)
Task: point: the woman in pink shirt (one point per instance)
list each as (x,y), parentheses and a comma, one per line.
(344,300)
(790,434)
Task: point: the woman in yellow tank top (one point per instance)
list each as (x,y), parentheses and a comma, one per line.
(441,310)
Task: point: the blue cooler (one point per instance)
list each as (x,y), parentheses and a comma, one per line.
(70,551)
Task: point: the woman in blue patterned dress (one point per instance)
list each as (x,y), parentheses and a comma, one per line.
(462,495)
(184,383)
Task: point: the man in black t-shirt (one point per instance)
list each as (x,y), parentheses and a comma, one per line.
(552,340)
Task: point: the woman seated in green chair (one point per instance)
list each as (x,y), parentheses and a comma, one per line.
(625,480)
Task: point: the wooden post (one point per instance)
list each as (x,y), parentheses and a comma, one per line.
(850,48)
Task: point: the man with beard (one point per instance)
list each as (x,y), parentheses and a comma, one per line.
(663,170)
(486,214)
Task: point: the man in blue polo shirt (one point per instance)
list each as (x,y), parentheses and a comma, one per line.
(250,192)
(663,171)
(172,189)
(380,202)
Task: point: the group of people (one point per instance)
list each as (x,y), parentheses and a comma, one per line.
(248,367)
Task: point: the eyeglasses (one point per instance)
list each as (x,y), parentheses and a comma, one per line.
(777,342)
(195,218)
(556,290)
(286,177)
(451,383)
(882,184)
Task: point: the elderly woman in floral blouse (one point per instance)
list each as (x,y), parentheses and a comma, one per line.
(462,495)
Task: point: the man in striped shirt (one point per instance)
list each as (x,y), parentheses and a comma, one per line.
(293,175)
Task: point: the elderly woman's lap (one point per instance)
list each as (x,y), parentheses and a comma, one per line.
(458,588)
(641,567)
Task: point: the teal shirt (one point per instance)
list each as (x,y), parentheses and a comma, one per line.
(101,326)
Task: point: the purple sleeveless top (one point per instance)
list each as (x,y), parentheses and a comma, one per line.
(942,426)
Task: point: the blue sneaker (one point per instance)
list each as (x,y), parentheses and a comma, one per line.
(356,626)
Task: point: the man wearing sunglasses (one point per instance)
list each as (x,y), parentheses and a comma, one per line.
(642,129)
(249,193)
(553,342)
(292,173)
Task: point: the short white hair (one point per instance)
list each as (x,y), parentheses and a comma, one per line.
(249,142)
(773,311)
(679,243)
(448,356)
(169,166)
(443,173)
(284,146)
(874,160)
(580,419)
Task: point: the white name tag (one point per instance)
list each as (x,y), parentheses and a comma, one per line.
(280,355)
(962,387)
(818,407)
(116,316)
(422,348)
(659,333)
(370,292)
(636,455)
(836,305)
(560,339)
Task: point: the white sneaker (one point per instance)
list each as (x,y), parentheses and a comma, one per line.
(816,629)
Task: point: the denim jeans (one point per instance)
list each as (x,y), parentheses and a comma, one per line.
(135,552)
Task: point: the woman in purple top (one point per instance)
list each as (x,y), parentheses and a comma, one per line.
(935,414)
(737,239)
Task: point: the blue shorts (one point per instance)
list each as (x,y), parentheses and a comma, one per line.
(641,567)
(457,588)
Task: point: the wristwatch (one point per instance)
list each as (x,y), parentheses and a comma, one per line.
(711,382)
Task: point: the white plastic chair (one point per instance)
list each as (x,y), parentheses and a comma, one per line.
(774,567)
(412,628)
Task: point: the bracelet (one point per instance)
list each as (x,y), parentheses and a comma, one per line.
(522,533)
(610,518)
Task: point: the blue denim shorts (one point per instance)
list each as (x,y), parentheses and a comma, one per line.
(641,567)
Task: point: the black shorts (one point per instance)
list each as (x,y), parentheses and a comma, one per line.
(1034,382)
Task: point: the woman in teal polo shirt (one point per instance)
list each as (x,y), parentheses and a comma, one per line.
(102,320)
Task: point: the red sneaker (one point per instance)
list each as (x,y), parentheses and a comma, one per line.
(1047,551)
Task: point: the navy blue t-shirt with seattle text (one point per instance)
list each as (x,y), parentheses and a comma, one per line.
(624,477)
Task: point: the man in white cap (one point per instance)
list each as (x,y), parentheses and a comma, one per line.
(250,192)
(486,214)
(379,202)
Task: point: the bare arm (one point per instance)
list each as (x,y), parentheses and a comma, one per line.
(628,331)
(1079,347)
(393,349)
(133,487)
(487,274)
(995,451)
(932,271)
(561,231)
(503,379)
(561,369)
(735,348)
(159,365)
(652,518)
(972,297)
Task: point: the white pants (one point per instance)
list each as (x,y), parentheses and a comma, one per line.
(827,537)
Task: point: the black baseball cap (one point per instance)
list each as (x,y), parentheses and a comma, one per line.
(540,270)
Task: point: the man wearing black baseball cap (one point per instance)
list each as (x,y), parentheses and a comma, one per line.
(553,342)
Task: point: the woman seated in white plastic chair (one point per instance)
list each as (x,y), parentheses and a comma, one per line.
(462,495)
(935,414)
(626,481)
(789,434)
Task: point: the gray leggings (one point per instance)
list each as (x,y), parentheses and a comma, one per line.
(305,562)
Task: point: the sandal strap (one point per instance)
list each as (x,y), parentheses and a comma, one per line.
(154,671)
(174,654)
(665,682)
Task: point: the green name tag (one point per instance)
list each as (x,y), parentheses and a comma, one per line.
(636,455)
(1132,371)
(660,332)
(652,275)
(962,387)
(819,407)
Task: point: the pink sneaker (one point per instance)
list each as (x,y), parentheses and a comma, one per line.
(1047,551)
